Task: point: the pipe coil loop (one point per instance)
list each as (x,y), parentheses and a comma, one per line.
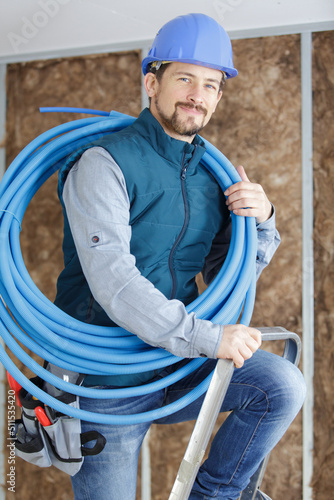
(27,317)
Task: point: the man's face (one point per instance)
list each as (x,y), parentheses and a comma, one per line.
(184,99)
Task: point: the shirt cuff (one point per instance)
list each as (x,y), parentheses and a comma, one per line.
(270,224)
(206,340)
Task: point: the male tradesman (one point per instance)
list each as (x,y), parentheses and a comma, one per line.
(143,217)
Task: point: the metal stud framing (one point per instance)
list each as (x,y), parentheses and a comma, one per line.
(308,259)
(308,280)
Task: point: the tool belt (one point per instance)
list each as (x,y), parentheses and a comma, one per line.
(46,437)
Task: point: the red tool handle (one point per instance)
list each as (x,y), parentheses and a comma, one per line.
(15,386)
(42,417)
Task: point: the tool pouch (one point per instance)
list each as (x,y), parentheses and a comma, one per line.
(61,442)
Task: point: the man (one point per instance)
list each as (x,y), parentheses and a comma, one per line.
(136,235)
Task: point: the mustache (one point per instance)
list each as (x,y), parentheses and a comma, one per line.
(198,107)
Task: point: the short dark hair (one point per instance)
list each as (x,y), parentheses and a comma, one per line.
(158,71)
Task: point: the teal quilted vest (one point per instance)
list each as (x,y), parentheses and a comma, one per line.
(176,209)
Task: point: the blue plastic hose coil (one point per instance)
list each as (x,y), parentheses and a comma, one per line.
(27,317)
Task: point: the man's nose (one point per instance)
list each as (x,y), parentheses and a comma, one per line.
(195,95)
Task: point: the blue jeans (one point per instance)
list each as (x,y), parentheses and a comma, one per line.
(264,397)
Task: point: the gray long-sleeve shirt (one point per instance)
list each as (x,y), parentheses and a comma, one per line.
(97,204)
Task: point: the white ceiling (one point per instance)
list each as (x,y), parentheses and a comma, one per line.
(37,29)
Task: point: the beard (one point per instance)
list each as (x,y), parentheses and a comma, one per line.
(182,126)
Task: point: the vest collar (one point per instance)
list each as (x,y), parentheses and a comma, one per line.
(173,150)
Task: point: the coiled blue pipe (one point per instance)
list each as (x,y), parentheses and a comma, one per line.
(40,326)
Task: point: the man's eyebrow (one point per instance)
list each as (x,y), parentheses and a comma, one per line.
(185,73)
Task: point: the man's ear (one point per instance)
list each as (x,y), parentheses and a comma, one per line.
(151,84)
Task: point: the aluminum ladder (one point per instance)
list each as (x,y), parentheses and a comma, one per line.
(210,411)
(206,420)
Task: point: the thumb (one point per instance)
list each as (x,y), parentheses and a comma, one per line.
(242,173)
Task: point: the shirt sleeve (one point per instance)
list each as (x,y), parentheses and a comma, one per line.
(268,240)
(98,210)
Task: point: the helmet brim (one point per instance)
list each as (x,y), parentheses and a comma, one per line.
(230,72)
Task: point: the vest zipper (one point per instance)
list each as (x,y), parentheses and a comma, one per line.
(185,223)
(89,310)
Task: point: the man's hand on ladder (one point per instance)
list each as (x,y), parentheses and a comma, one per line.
(239,343)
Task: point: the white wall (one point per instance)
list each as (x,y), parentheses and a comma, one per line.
(34,29)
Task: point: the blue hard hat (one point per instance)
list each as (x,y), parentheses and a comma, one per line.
(194,39)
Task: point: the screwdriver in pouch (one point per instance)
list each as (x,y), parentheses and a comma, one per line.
(42,417)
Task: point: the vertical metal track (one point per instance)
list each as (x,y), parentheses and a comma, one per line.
(308,262)
(145,450)
(3,99)
(3,405)
(144,97)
